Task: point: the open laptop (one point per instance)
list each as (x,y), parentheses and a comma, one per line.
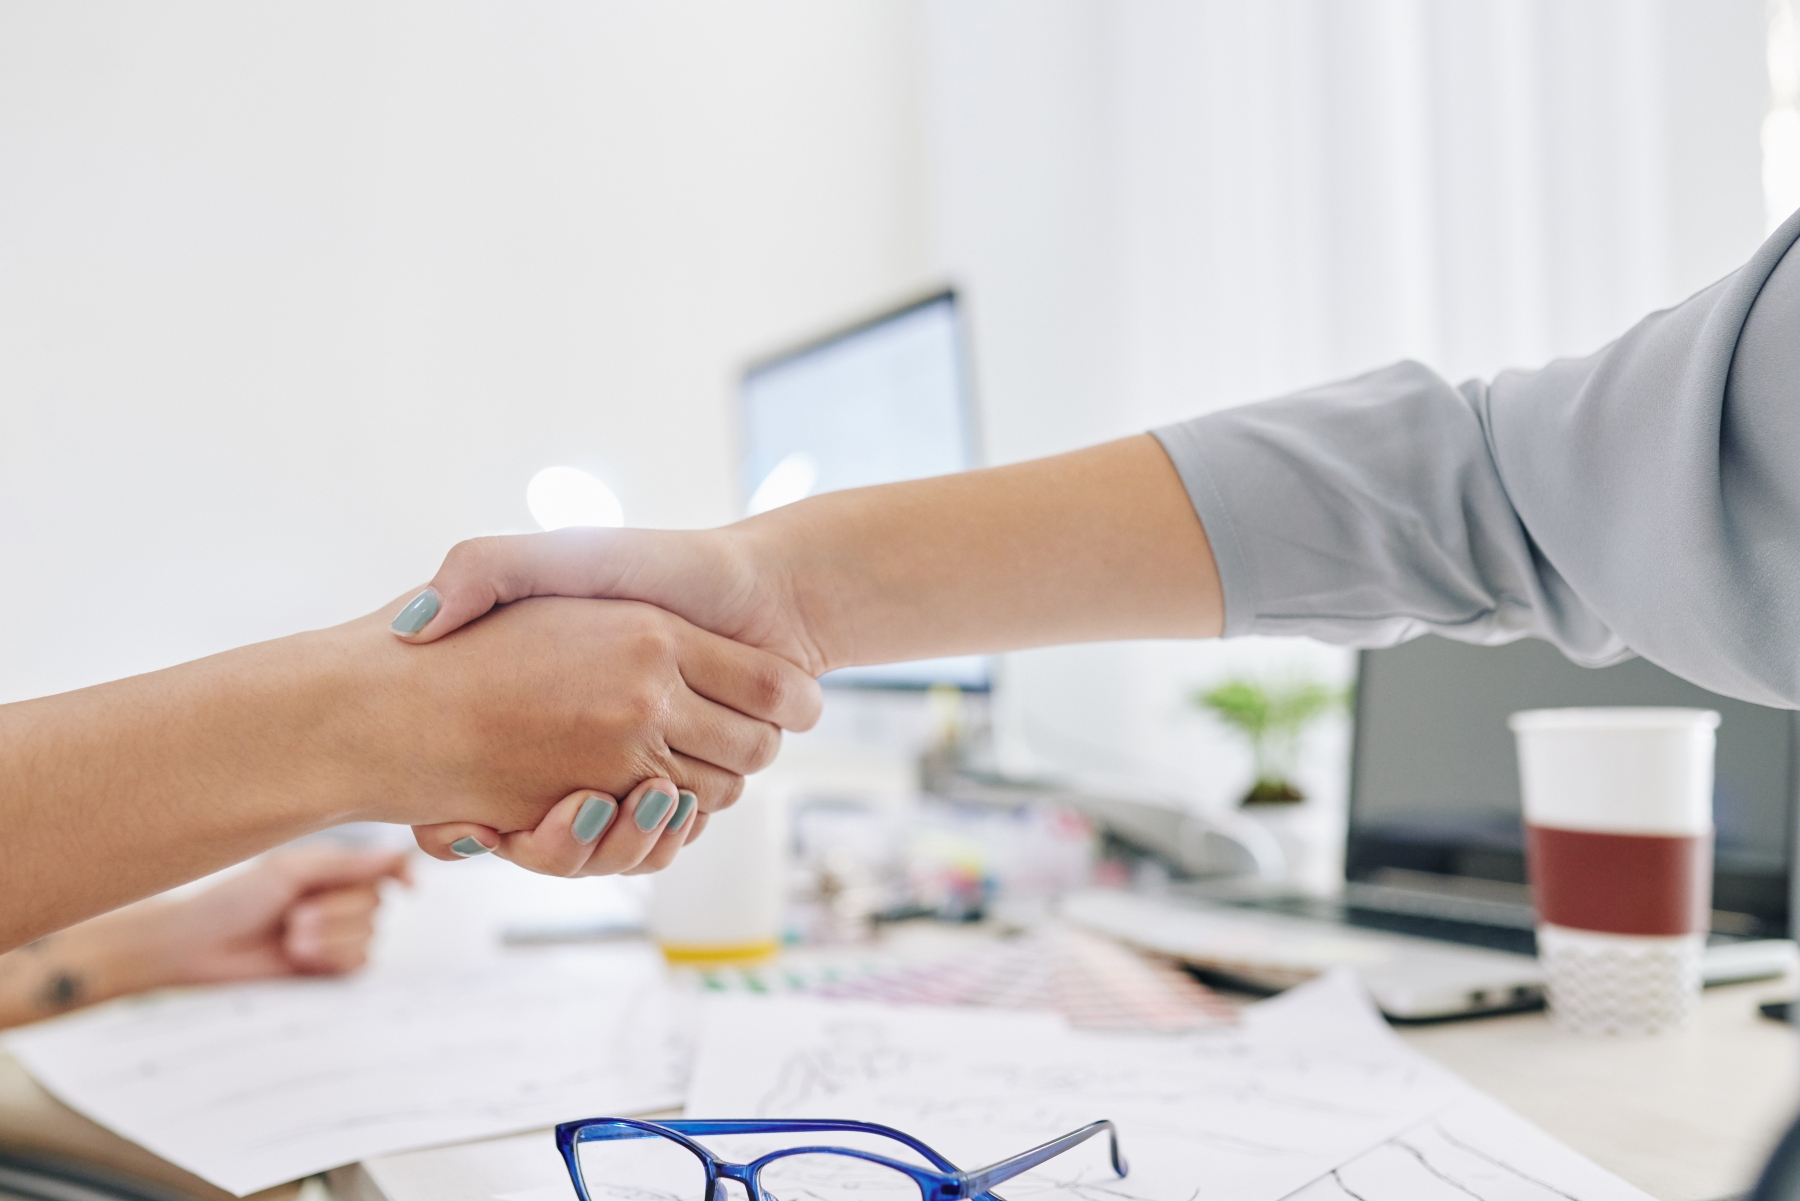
(1435,914)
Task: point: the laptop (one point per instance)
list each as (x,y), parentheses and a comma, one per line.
(1435,913)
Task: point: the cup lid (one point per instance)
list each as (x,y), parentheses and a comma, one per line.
(1645,717)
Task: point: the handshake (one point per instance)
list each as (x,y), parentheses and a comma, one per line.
(594,695)
(580,702)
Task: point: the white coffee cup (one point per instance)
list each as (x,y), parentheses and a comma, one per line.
(1618,823)
(723,898)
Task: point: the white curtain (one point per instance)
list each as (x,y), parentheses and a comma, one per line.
(1159,208)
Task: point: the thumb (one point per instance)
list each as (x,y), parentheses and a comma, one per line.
(483,572)
(322,869)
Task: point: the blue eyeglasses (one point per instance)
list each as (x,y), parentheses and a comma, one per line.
(621,1159)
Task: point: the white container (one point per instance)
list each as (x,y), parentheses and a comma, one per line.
(1618,818)
(722,900)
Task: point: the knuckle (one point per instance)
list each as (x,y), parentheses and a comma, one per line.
(653,637)
(810,707)
(722,795)
(466,556)
(640,708)
(770,689)
(765,745)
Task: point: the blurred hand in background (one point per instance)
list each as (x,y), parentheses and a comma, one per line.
(304,912)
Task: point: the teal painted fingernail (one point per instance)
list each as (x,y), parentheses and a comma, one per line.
(650,810)
(468,848)
(688,801)
(595,814)
(418,613)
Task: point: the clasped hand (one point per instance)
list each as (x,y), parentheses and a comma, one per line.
(642,724)
(1091,546)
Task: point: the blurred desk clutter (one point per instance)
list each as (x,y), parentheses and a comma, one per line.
(601,1027)
(1091,982)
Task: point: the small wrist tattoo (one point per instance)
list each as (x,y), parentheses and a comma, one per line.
(61,991)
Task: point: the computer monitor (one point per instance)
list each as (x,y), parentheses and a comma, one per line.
(1435,778)
(885,400)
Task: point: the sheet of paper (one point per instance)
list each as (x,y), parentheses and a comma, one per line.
(520,1167)
(1477,1148)
(252,1085)
(1305,1083)
(1311,1085)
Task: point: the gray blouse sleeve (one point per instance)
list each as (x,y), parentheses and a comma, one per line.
(1643,500)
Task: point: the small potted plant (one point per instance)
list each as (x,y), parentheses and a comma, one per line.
(1272,717)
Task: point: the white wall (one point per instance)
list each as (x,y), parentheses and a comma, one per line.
(1164,207)
(294,296)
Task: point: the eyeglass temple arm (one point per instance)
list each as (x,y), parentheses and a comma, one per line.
(983,1180)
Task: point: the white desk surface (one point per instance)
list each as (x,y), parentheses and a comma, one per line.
(1684,1117)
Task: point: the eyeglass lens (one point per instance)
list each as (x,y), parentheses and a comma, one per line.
(622,1164)
(646,1168)
(812,1176)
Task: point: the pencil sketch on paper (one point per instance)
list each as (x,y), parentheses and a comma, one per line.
(1265,1105)
(1475,1149)
(1311,1098)
(849,1052)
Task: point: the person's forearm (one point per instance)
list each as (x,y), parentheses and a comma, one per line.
(110,956)
(125,789)
(1094,545)
(115,792)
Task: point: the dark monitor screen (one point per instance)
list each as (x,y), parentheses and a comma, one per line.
(1435,778)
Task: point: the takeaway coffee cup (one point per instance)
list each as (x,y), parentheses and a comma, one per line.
(1618,830)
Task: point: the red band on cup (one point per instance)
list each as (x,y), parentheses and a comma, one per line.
(1621,883)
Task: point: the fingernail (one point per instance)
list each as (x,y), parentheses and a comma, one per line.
(468,848)
(650,810)
(685,807)
(418,613)
(595,814)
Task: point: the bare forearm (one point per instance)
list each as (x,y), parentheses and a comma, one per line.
(119,791)
(1095,545)
(110,956)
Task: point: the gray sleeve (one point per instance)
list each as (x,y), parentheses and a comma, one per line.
(1643,500)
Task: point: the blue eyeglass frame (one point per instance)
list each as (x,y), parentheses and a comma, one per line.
(942,1182)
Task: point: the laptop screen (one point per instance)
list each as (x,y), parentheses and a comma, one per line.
(884,401)
(1435,780)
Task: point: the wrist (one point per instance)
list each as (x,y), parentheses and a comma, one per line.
(349,712)
(796,600)
(111,956)
(124,952)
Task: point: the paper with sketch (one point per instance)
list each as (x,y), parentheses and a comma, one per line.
(1305,1083)
(1477,1148)
(1309,1084)
(252,1085)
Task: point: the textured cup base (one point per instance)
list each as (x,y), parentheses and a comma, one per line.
(1620,984)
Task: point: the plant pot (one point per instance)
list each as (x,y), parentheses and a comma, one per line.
(1311,842)
(1272,793)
